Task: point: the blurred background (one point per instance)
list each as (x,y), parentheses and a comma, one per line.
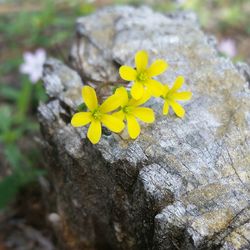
(30,31)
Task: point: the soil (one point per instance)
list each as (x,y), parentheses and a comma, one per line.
(24,225)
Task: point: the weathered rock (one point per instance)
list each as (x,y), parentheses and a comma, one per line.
(184,183)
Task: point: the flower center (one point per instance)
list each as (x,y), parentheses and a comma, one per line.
(96,114)
(143,76)
(127,109)
(168,96)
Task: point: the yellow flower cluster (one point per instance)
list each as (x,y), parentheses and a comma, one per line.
(121,106)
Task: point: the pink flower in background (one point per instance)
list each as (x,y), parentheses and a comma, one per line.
(33,64)
(227,46)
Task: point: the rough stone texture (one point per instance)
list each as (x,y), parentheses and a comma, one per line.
(184,183)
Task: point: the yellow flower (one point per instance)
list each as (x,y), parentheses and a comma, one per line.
(171,95)
(97,115)
(130,111)
(142,75)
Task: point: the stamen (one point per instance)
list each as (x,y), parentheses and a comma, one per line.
(97,114)
(143,76)
(127,109)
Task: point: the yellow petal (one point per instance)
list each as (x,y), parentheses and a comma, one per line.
(177,84)
(154,87)
(146,96)
(81,119)
(137,90)
(113,123)
(144,114)
(123,95)
(133,126)
(178,109)
(94,131)
(89,97)
(141,60)
(120,115)
(157,67)
(165,108)
(110,104)
(127,73)
(184,96)
(165,90)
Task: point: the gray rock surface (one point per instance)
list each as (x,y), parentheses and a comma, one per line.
(184,183)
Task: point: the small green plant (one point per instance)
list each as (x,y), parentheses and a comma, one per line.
(47,25)
(14,126)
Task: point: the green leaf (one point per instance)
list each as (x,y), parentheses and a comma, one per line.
(82,107)
(40,94)
(9,92)
(6,119)
(24,99)
(11,136)
(85,9)
(115,88)
(10,185)
(13,156)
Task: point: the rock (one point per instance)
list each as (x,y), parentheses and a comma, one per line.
(184,183)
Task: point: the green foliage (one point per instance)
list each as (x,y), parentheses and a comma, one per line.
(48,25)
(85,9)
(82,107)
(11,184)
(8,92)
(223,14)
(15,123)
(13,126)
